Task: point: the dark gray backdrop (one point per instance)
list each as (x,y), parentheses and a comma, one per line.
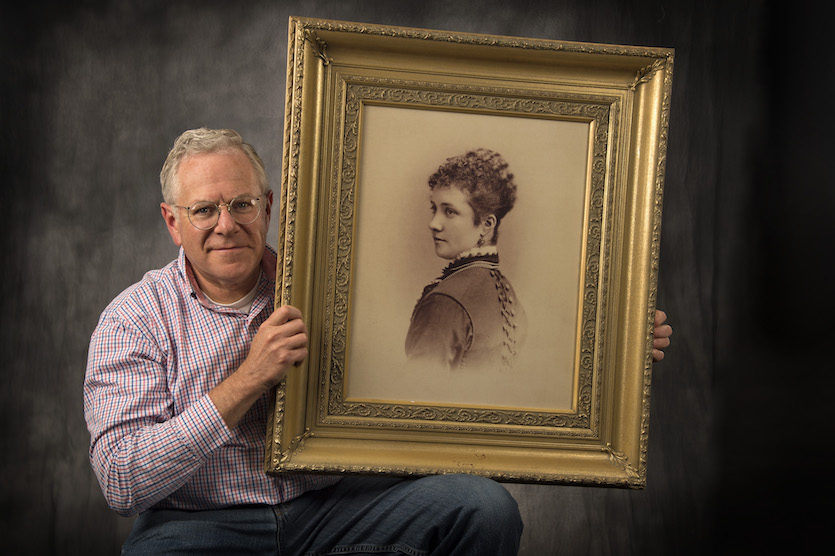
(93,94)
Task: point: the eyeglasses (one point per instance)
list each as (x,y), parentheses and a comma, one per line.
(204,215)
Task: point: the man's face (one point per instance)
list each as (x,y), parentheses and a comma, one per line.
(226,259)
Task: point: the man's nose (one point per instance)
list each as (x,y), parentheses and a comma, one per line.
(225,222)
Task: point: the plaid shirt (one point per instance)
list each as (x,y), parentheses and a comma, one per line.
(156,437)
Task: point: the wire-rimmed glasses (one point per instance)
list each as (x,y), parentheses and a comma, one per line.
(204,215)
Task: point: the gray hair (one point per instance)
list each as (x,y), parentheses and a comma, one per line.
(202,141)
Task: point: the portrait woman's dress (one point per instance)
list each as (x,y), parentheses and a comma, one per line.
(469,318)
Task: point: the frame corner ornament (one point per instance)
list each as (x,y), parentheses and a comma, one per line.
(320,47)
(296,447)
(622,461)
(646,73)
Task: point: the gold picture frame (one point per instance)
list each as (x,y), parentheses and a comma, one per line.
(371,112)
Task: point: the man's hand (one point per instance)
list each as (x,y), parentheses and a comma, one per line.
(280,343)
(661,335)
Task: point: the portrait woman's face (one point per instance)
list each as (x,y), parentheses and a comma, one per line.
(452,224)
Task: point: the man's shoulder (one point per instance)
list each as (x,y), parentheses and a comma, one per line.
(157,288)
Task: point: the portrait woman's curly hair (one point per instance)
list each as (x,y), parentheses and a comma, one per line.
(483,174)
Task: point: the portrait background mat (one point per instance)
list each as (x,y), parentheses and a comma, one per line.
(539,245)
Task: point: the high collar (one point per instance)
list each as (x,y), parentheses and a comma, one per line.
(488,254)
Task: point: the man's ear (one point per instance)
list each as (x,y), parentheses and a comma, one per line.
(171,223)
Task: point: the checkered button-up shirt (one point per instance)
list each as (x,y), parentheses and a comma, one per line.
(157,440)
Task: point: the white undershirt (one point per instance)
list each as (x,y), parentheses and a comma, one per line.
(244,304)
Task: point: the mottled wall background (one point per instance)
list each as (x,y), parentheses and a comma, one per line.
(93,93)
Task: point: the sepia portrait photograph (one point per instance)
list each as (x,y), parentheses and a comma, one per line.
(467,259)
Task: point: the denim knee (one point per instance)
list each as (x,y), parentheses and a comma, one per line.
(485,505)
(480,492)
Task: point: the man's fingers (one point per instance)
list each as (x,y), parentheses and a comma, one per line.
(660,317)
(661,335)
(661,343)
(283,314)
(664,331)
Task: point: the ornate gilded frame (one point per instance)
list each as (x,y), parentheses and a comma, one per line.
(338,70)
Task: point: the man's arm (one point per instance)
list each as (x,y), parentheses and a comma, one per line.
(142,452)
(280,343)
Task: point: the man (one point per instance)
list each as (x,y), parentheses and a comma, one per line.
(175,398)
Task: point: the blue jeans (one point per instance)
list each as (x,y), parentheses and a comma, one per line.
(443,514)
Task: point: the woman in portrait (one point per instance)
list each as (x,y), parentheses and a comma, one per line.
(470,316)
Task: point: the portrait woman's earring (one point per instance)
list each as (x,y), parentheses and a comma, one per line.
(480,241)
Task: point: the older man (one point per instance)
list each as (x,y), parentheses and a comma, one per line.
(175,398)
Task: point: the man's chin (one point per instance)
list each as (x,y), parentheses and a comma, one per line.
(233,264)
(238,274)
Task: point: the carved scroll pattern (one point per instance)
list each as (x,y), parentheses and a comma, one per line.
(601,111)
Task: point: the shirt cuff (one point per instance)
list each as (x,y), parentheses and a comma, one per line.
(202,427)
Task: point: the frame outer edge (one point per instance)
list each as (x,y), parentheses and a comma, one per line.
(272,450)
(660,86)
(661,167)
